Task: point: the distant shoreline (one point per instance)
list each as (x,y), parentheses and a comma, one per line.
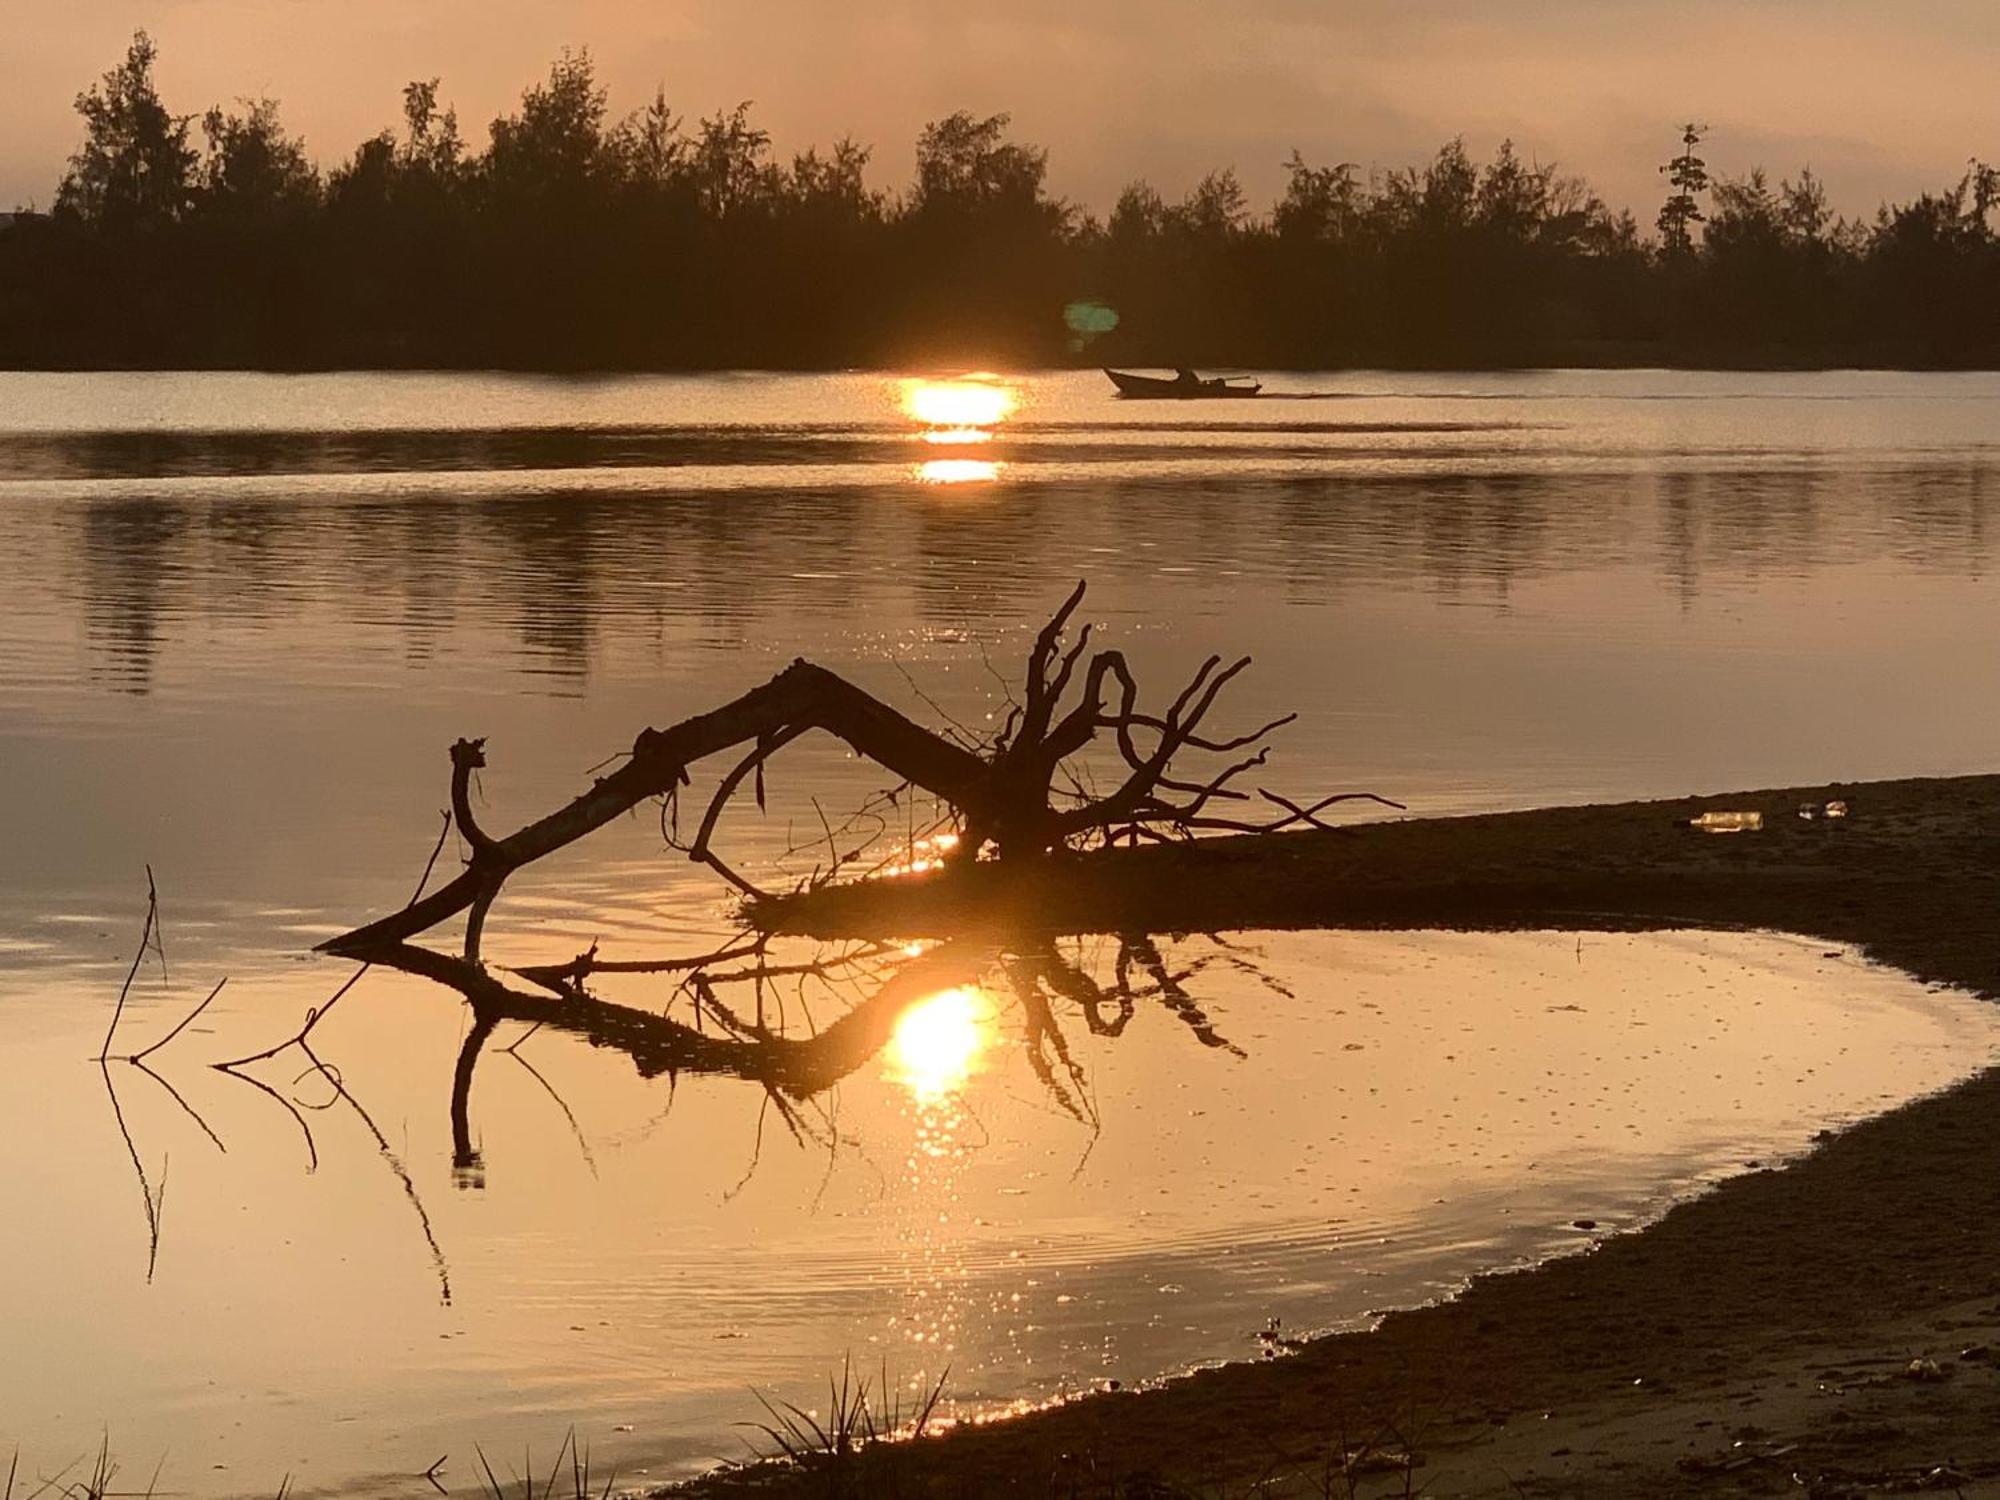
(1776,1315)
(930,365)
(577,239)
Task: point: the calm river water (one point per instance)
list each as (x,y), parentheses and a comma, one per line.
(246,614)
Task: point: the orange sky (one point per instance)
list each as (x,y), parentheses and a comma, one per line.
(1882,98)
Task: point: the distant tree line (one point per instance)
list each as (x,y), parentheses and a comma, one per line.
(576,240)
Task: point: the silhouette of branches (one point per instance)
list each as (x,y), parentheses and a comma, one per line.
(1018,796)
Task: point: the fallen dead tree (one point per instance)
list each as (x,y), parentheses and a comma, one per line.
(1013,798)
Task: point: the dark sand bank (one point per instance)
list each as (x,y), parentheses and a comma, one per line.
(1756,1340)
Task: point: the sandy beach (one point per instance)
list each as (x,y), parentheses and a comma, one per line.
(1830,1327)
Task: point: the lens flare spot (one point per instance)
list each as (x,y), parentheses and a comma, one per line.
(937,1042)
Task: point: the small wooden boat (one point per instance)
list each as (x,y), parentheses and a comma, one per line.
(1183,387)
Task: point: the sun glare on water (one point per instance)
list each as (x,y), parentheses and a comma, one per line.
(937,1043)
(957,470)
(960,413)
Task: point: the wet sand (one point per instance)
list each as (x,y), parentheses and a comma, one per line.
(1758,1339)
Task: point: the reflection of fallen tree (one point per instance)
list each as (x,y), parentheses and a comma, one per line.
(875,987)
(1017,797)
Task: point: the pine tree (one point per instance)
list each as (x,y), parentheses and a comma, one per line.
(1688,175)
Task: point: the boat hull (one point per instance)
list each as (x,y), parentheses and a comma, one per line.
(1153,388)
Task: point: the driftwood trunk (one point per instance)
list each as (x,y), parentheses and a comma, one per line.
(1003,796)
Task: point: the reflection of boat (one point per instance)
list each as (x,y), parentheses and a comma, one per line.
(1156,388)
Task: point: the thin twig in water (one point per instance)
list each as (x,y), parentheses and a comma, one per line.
(145,1188)
(395,1164)
(140,1057)
(155,1199)
(313,1017)
(562,1104)
(175,1094)
(147,938)
(312,1150)
(431,863)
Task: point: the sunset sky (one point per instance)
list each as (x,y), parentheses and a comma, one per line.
(1883,99)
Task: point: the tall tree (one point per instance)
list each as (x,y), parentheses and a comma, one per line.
(1320,203)
(968,164)
(731,164)
(135,169)
(553,148)
(1687,175)
(252,166)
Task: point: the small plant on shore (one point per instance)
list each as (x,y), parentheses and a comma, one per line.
(857,1415)
(96,1485)
(581,1486)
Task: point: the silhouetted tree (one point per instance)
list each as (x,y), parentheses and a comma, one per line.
(397,241)
(985,246)
(551,152)
(1687,175)
(651,148)
(135,169)
(1320,204)
(1933,269)
(252,167)
(576,239)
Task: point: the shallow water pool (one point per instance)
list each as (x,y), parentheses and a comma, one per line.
(1041,1166)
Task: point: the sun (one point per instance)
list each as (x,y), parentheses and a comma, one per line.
(937,1043)
(968,404)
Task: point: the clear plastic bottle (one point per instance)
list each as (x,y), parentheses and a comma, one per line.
(1727,822)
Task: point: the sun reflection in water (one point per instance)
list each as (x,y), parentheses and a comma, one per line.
(957,470)
(937,1043)
(961,413)
(934,1050)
